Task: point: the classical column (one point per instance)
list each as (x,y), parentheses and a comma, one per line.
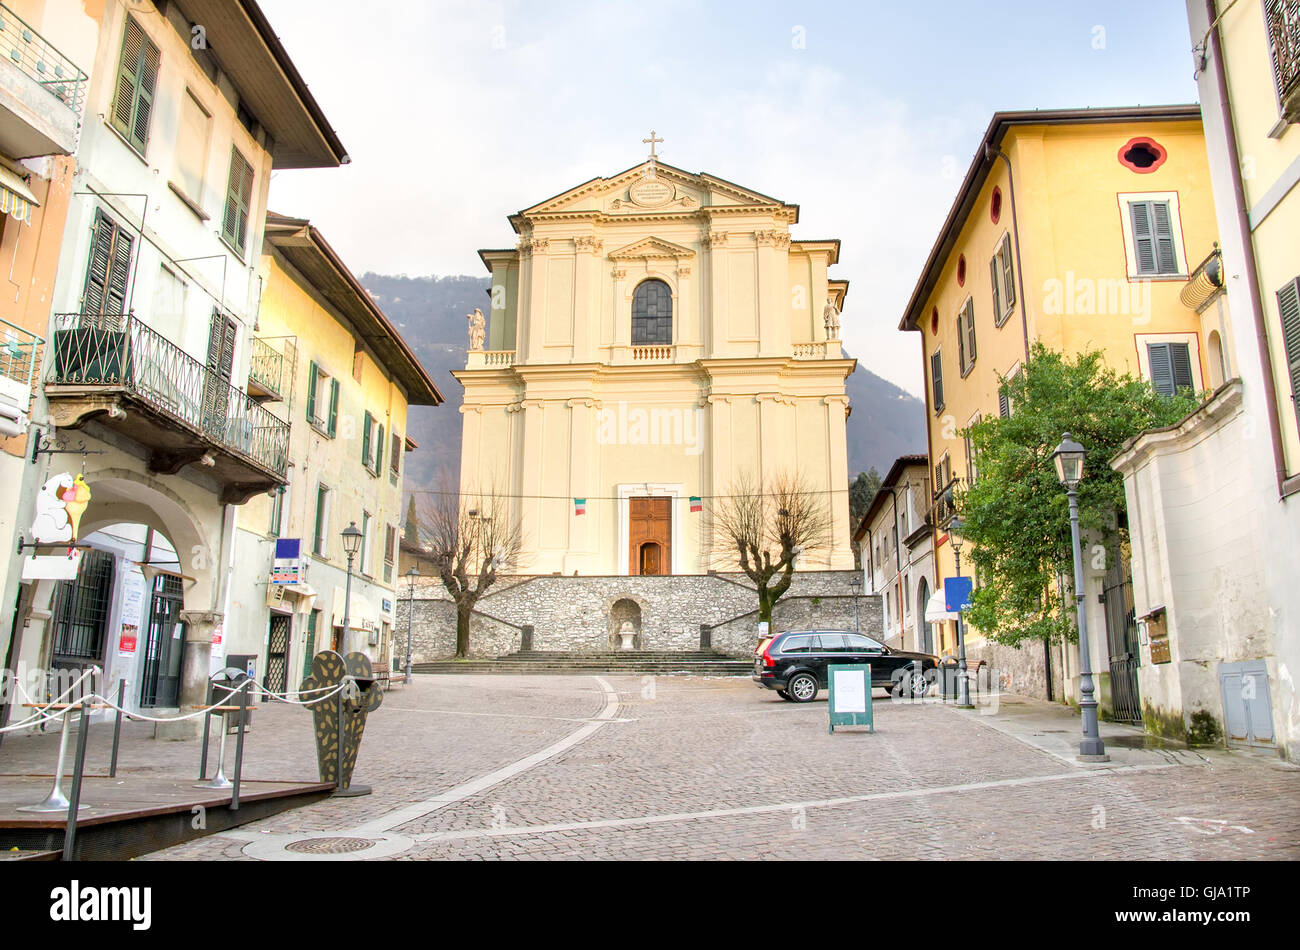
(196,661)
(841,556)
(586,298)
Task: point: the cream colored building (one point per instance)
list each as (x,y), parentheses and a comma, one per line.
(344,377)
(653,337)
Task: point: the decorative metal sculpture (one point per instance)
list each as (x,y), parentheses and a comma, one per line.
(359,698)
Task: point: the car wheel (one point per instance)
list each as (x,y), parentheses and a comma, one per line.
(784,695)
(918,686)
(803,688)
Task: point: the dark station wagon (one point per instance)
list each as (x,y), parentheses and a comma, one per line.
(795,663)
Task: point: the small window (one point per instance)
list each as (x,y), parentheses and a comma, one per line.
(137,79)
(322,400)
(372,444)
(366,567)
(652,313)
(966,337)
(320,544)
(797,645)
(1004,288)
(1171,367)
(1152,229)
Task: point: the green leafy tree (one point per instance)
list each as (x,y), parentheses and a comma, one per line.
(1016,514)
(862,492)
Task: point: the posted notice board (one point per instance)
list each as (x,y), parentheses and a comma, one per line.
(850,696)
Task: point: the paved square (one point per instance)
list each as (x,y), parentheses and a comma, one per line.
(526,767)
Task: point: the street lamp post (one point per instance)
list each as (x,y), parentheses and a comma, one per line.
(352,538)
(412,574)
(1068,458)
(963,685)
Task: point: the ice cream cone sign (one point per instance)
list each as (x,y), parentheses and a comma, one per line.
(75,500)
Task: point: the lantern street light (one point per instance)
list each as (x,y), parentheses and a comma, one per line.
(411,575)
(956,539)
(352,539)
(1068,459)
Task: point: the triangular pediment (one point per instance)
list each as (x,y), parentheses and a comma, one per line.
(652,187)
(651,249)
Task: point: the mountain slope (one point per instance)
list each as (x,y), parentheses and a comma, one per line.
(430,313)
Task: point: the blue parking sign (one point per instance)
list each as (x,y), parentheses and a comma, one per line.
(956,594)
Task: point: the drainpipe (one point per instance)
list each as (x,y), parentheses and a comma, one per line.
(1248,247)
(989,151)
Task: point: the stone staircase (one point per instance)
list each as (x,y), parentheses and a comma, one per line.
(694,663)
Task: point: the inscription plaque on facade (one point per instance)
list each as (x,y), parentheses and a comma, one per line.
(651,193)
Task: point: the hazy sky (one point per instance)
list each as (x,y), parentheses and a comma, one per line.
(866,114)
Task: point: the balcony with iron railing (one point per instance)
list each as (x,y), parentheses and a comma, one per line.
(943,507)
(18,348)
(1283,18)
(118,371)
(268,371)
(42,92)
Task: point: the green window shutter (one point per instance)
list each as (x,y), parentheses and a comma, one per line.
(995,272)
(961,341)
(379,450)
(1008,284)
(1004,404)
(311,393)
(1166,259)
(334,407)
(970,331)
(1181,357)
(936,377)
(1288,305)
(1160,361)
(239,196)
(1143,237)
(395,455)
(365,440)
(137,80)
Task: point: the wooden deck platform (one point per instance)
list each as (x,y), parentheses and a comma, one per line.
(133,815)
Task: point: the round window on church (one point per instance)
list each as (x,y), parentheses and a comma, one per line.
(652,313)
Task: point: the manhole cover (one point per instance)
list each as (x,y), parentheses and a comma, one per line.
(329,845)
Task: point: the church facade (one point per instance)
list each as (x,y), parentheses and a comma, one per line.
(653,340)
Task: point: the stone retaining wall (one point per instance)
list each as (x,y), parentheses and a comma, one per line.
(582,613)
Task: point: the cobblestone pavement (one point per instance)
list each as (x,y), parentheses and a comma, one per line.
(499,767)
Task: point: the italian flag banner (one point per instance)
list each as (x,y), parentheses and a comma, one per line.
(579,506)
(696,504)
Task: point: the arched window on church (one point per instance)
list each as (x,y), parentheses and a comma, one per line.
(652,313)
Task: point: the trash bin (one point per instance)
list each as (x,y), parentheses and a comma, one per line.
(230,678)
(949,675)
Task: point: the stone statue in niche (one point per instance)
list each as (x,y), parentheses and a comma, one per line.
(477,329)
(627,636)
(831,320)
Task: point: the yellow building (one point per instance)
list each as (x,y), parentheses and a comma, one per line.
(1214,502)
(1077,229)
(328,354)
(654,338)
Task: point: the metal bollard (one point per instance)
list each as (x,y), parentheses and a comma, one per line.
(239,744)
(117,728)
(78,770)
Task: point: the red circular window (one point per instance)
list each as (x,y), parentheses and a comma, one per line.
(1142,155)
(934,321)
(995,205)
(961,271)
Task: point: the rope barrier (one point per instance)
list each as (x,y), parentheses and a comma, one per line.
(41,715)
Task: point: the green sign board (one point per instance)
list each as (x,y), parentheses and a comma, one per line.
(850,696)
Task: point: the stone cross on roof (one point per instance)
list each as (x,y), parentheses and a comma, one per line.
(652,141)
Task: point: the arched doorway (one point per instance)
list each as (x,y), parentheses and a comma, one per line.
(1218,371)
(924,629)
(650,560)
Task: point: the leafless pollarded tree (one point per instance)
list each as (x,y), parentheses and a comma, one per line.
(469,536)
(764,526)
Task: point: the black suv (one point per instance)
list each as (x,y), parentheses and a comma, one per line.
(795,663)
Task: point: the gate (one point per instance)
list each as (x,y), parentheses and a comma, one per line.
(161,677)
(1122,637)
(81,612)
(277,654)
